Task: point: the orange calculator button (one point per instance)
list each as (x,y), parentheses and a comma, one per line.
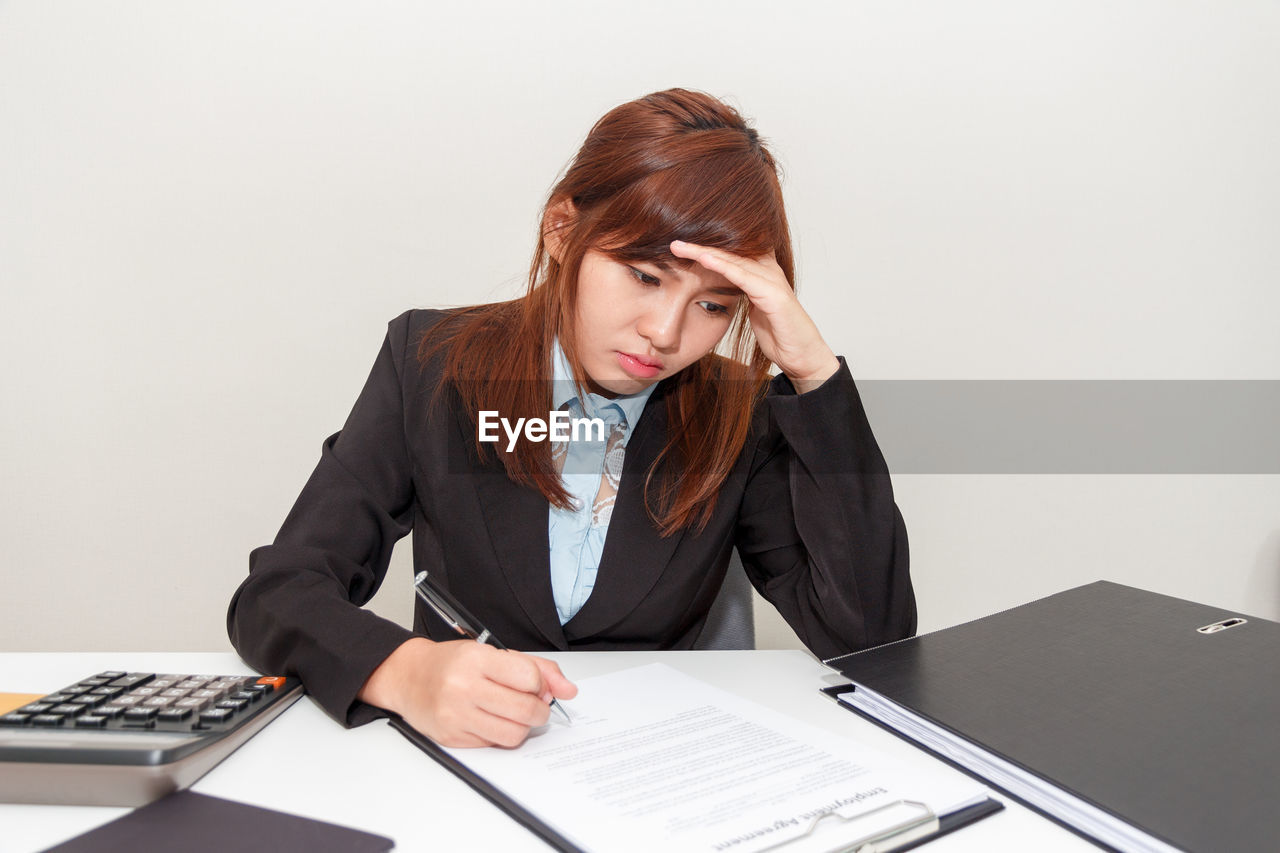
(275,682)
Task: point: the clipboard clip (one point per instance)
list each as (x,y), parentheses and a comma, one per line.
(900,834)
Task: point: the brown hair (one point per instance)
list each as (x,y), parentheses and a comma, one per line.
(673,165)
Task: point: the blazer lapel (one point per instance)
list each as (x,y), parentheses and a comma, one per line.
(516,521)
(635,556)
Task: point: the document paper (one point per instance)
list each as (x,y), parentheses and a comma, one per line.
(657,760)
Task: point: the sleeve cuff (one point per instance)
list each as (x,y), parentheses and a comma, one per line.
(827,427)
(338,696)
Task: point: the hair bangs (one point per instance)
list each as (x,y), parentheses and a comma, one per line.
(727,200)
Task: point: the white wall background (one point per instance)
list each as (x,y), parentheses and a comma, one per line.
(209,210)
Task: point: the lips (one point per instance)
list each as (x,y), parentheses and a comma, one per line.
(638,366)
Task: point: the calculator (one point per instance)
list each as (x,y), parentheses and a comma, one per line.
(126,738)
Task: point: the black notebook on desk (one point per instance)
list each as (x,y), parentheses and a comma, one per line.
(1158,717)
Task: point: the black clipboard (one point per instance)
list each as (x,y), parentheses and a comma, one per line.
(945,824)
(484,788)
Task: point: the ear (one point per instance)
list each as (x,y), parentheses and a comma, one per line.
(557,222)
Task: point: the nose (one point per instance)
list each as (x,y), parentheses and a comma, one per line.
(661,324)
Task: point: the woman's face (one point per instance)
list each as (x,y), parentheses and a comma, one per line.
(639,323)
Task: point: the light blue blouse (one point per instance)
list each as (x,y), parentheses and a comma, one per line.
(576,538)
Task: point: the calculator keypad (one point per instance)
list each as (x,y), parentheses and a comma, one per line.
(147,700)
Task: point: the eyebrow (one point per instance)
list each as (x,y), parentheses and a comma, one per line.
(665,267)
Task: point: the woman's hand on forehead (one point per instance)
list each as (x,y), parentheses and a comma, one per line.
(787,334)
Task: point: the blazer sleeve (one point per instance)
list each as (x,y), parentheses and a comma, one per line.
(299,611)
(818,530)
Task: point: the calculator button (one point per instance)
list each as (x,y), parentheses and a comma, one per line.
(109,711)
(206,694)
(162,683)
(133,679)
(174,715)
(275,682)
(157,701)
(96,681)
(233,704)
(193,683)
(106,691)
(139,715)
(247,695)
(115,673)
(55,698)
(126,700)
(36,708)
(74,690)
(191,702)
(175,692)
(91,721)
(145,691)
(14,719)
(216,715)
(47,720)
(87,700)
(67,709)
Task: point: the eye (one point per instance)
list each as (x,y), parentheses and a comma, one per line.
(714,308)
(643,277)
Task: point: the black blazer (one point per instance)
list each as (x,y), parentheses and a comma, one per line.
(808,504)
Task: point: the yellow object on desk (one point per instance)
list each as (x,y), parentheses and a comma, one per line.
(9,701)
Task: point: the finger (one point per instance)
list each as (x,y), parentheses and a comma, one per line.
(514,670)
(526,709)
(459,740)
(692,251)
(497,731)
(554,681)
(448,726)
(756,279)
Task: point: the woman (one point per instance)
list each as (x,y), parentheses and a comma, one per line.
(665,239)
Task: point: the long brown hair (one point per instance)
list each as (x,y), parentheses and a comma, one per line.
(673,165)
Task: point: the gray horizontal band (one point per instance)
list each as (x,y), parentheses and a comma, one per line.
(1076,426)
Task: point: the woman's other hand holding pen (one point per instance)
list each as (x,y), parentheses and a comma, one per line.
(463,694)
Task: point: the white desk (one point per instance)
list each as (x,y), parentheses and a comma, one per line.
(371,778)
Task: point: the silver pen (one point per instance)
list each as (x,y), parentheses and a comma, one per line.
(457,617)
